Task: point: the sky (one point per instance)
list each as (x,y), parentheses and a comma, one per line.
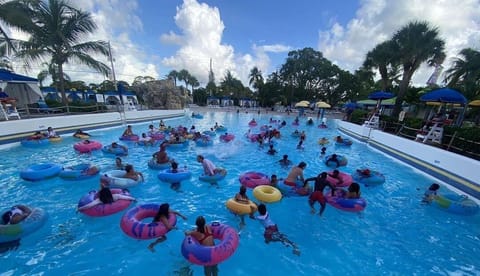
(153,37)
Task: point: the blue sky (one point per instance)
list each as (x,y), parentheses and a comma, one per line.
(152,37)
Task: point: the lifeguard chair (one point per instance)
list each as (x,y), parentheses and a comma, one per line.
(9,111)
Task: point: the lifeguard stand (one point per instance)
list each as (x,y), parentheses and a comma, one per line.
(373,122)
(434,134)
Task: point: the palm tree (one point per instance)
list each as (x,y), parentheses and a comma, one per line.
(193,82)
(465,72)
(56,31)
(174,76)
(183,76)
(52,72)
(414,44)
(256,78)
(16,14)
(382,57)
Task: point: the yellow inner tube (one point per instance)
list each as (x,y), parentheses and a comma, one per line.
(55,139)
(241,208)
(266,193)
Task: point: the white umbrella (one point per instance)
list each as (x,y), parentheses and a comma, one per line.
(302,104)
(321,104)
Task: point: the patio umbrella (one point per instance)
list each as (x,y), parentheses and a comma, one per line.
(380,95)
(321,104)
(303,104)
(444,95)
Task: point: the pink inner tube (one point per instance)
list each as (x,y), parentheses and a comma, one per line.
(133,226)
(254,179)
(157,136)
(345,177)
(252,123)
(84,146)
(199,254)
(227,137)
(101,210)
(346,204)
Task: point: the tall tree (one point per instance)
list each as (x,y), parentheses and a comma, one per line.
(173,75)
(382,57)
(56,32)
(16,14)
(183,76)
(415,44)
(231,86)
(193,82)
(256,78)
(465,73)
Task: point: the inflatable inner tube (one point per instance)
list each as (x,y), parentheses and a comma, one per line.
(12,232)
(199,254)
(37,172)
(102,209)
(132,222)
(254,179)
(457,204)
(132,137)
(239,208)
(266,193)
(346,179)
(342,161)
(174,177)
(78,172)
(116,180)
(346,204)
(219,175)
(87,146)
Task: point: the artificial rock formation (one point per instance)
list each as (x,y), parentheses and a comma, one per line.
(163,94)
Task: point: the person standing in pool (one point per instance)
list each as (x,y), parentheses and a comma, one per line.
(272,233)
(317,195)
(204,235)
(295,176)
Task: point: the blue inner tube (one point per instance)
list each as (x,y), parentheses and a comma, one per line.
(116,151)
(41,171)
(375,178)
(152,164)
(171,177)
(35,143)
(213,178)
(342,160)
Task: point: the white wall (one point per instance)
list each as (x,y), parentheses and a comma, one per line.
(439,162)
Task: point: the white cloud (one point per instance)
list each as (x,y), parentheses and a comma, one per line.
(201,40)
(377,20)
(276,48)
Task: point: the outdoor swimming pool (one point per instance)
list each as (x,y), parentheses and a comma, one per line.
(394,235)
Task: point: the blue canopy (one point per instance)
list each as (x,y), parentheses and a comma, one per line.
(8,76)
(380,95)
(351,105)
(444,95)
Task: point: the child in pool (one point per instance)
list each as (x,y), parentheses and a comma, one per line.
(271,230)
(431,193)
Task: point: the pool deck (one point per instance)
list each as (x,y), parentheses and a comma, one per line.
(456,170)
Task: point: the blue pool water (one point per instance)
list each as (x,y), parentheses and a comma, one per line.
(394,235)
